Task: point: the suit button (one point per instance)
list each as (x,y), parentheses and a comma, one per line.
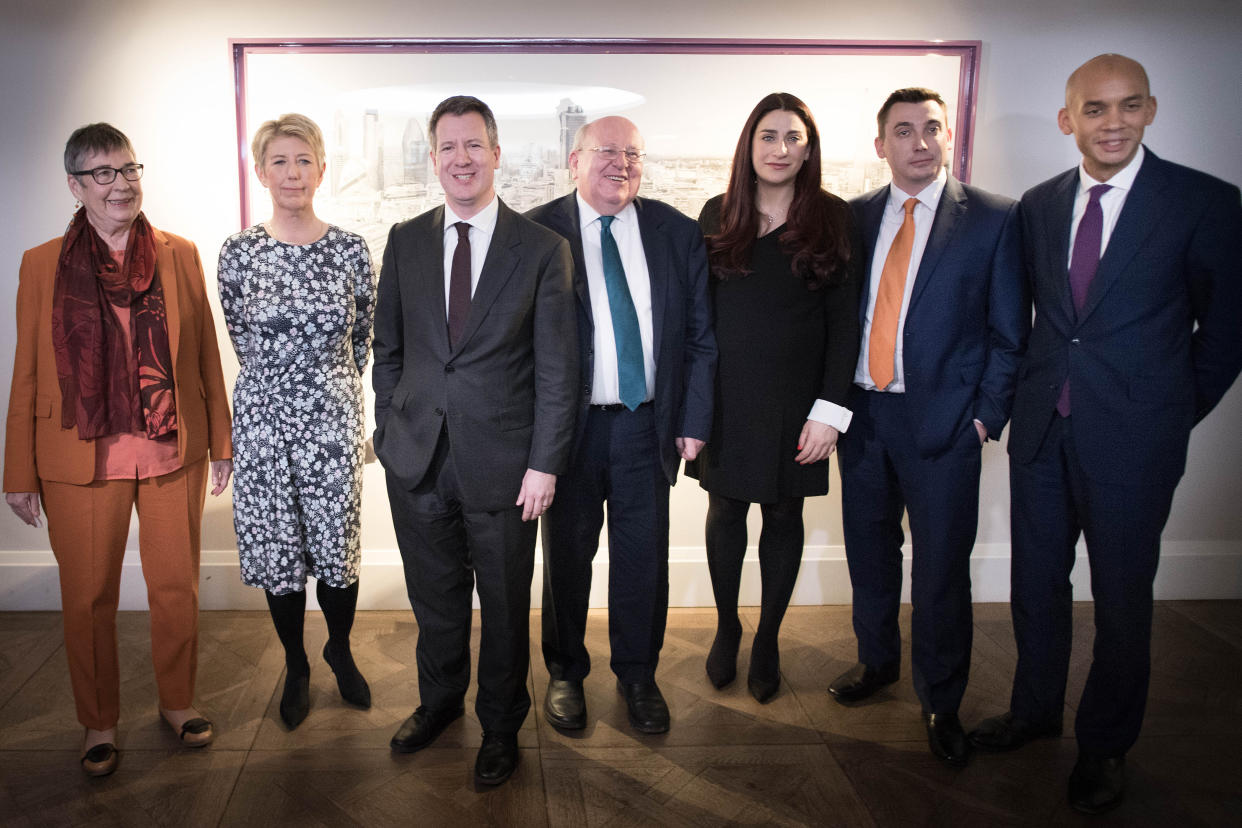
(439,412)
(1074,341)
(448,369)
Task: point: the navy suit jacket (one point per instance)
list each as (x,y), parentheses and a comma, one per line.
(506,392)
(684,344)
(1159,339)
(967,320)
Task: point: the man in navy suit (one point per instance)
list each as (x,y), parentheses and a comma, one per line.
(1137,284)
(649,360)
(943,326)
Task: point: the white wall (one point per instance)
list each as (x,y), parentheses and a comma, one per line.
(161,72)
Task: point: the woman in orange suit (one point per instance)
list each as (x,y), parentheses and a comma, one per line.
(117,400)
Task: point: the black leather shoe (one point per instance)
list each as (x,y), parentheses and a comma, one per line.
(1008,732)
(1097,783)
(722,657)
(564,706)
(861,681)
(645,705)
(422,728)
(295,700)
(354,688)
(946,738)
(498,758)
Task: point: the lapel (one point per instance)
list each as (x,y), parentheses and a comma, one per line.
(1140,215)
(503,257)
(945,222)
(565,220)
(1058,216)
(659,269)
(428,272)
(872,210)
(166,271)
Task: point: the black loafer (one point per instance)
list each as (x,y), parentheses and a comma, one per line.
(497,759)
(1008,732)
(564,706)
(1097,783)
(645,705)
(861,681)
(295,700)
(946,738)
(101,760)
(422,728)
(352,686)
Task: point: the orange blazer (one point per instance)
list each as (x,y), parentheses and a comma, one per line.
(36,447)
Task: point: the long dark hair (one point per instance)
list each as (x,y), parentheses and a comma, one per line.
(817,229)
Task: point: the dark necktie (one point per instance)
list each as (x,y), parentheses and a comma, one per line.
(631,373)
(459,285)
(1084,262)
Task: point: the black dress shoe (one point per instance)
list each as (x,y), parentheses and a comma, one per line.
(354,688)
(295,700)
(422,728)
(722,658)
(1097,783)
(1008,732)
(564,706)
(762,687)
(646,706)
(946,738)
(498,757)
(861,681)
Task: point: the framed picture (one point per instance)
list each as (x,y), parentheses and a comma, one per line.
(689,98)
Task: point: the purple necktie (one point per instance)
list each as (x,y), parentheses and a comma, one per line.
(459,284)
(1084,261)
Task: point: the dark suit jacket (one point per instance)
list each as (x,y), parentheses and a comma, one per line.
(507,392)
(685,347)
(967,320)
(1141,373)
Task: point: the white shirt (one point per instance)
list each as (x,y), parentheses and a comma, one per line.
(1110,203)
(894,215)
(482,226)
(605,386)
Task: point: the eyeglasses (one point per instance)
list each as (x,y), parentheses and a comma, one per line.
(613,153)
(106,175)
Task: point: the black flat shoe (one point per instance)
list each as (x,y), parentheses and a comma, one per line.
(295,700)
(1008,732)
(1097,784)
(645,705)
(564,705)
(497,759)
(946,738)
(101,760)
(352,686)
(862,681)
(722,658)
(422,728)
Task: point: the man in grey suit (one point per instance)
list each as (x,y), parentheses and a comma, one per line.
(475,375)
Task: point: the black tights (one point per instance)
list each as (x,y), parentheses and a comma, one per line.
(289,613)
(780,556)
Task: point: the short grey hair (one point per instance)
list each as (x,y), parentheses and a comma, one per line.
(100,137)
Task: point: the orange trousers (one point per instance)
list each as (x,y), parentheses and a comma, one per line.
(88,526)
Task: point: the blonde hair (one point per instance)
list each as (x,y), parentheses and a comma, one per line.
(293,125)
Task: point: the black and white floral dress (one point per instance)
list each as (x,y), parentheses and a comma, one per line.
(300,318)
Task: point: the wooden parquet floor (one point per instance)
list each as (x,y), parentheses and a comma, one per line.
(800,760)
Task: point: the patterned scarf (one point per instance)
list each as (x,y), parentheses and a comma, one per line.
(107,387)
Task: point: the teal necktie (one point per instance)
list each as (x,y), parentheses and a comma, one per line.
(631,375)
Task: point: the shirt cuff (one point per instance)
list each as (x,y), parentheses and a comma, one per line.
(831,414)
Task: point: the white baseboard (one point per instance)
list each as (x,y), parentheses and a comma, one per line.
(1188,570)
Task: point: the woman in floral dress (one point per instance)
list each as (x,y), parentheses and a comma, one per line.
(298,296)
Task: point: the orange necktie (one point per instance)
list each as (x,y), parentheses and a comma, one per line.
(883,343)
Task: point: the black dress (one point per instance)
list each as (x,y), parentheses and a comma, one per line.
(781,346)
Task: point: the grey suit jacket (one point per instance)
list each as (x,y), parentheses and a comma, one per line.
(506,394)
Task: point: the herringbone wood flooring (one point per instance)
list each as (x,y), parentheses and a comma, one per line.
(802,759)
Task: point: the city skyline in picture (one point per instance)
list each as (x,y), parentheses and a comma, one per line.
(378,167)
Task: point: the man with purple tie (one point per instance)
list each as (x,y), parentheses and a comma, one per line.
(1137,285)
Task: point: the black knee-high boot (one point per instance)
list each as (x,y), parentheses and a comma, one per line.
(338,605)
(780,557)
(289,614)
(726,547)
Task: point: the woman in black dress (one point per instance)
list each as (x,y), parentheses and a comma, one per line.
(785,295)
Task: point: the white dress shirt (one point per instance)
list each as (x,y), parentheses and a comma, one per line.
(894,215)
(605,385)
(482,226)
(1110,203)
